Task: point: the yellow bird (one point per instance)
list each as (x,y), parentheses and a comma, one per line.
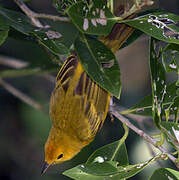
(78,108)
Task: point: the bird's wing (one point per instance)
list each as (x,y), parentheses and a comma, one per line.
(78,105)
(94,105)
(58,100)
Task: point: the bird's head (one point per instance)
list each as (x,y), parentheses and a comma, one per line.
(59,148)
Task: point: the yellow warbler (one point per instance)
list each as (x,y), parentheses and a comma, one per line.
(78,108)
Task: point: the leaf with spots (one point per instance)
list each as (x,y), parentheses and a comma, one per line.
(100,63)
(157,80)
(171,53)
(52,40)
(95,18)
(144,106)
(160,25)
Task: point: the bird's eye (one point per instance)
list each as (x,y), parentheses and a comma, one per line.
(60,156)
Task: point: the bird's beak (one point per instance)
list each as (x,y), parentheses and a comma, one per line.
(44,168)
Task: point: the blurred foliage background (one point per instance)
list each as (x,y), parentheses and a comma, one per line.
(24,130)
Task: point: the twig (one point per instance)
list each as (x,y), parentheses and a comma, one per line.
(149,146)
(138,5)
(34,16)
(49,77)
(21,96)
(52,17)
(140,121)
(12,62)
(141,133)
(29,13)
(18,65)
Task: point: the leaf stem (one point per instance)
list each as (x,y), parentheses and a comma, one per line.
(113,110)
(122,140)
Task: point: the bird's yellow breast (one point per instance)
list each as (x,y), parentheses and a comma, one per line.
(78,108)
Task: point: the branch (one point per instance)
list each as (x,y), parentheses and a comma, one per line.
(12,62)
(34,16)
(52,17)
(29,13)
(21,96)
(113,110)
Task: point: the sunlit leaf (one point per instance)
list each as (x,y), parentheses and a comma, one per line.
(94,19)
(110,170)
(165,174)
(100,63)
(115,151)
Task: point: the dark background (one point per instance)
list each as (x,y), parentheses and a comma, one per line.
(24,130)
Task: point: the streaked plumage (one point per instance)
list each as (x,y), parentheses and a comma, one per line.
(78,108)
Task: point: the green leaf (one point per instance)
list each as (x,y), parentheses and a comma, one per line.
(160,25)
(53,41)
(100,63)
(158,82)
(109,170)
(165,174)
(4,29)
(171,52)
(3,24)
(144,107)
(17,20)
(3,36)
(115,151)
(93,19)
